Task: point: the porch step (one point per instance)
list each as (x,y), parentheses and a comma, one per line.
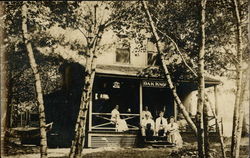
(162,146)
(157,142)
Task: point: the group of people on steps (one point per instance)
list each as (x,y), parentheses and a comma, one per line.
(160,127)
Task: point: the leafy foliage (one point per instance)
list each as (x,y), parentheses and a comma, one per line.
(21,78)
(180,21)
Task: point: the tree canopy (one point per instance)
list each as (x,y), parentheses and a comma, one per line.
(180,20)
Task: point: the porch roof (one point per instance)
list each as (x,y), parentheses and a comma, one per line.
(137,73)
(119,70)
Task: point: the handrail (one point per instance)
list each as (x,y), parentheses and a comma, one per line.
(210,119)
(104,115)
(94,128)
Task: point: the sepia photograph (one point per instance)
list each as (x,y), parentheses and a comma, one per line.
(125,79)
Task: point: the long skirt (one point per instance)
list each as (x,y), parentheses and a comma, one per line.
(121,125)
(175,138)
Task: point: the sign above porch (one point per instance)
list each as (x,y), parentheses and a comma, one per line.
(154,84)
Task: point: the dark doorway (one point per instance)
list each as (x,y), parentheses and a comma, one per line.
(158,99)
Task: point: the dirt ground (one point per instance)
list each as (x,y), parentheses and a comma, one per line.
(188,150)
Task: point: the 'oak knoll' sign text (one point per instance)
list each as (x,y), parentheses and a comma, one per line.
(155,84)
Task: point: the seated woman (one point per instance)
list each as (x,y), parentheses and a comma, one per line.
(147,126)
(120,124)
(174,134)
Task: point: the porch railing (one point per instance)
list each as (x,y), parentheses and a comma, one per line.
(211,124)
(107,124)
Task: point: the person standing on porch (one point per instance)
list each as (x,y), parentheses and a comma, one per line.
(174,134)
(120,124)
(146,112)
(147,126)
(161,125)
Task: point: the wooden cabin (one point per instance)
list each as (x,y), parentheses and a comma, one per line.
(119,81)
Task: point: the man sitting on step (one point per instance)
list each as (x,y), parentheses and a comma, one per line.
(161,125)
(147,126)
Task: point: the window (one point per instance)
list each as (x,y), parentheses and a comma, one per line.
(123,52)
(153,58)
(122,55)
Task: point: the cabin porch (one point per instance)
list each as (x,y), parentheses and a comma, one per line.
(132,94)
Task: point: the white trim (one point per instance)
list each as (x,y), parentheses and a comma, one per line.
(112,134)
(90,111)
(89,140)
(121,114)
(134,128)
(141,100)
(175,111)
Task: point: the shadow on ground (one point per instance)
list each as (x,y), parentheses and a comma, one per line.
(188,151)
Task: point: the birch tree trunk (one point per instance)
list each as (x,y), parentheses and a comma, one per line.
(236,132)
(4,79)
(241,117)
(38,86)
(201,86)
(244,99)
(167,74)
(206,129)
(76,145)
(80,129)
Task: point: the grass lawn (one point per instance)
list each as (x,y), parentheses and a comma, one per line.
(188,151)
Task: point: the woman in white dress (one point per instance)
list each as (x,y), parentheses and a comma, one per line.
(174,134)
(120,124)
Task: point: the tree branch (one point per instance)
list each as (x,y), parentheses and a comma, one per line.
(231,56)
(178,51)
(110,22)
(83,33)
(229,69)
(177,48)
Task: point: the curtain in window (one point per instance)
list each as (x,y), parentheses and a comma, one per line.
(123,55)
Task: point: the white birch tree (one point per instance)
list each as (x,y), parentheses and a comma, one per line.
(38,86)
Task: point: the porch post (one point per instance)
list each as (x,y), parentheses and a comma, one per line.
(141,100)
(90,111)
(175,111)
(216,99)
(216,103)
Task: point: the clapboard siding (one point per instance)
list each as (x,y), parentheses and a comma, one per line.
(112,140)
